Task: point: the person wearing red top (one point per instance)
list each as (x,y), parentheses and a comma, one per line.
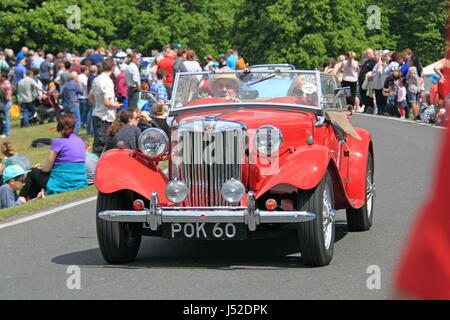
(121,87)
(442,68)
(424,272)
(167,65)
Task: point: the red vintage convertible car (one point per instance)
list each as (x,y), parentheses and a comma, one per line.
(251,154)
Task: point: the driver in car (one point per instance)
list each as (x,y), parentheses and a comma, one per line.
(225,85)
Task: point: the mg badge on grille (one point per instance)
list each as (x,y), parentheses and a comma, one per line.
(209,125)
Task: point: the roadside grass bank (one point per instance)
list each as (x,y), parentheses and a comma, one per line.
(49,201)
(21,139)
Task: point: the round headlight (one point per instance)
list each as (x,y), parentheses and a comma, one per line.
(176,191)
(233,191)
(267,140)
(153,142)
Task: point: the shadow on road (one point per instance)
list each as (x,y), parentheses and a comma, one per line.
(270,254)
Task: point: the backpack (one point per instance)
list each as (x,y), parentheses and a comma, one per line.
(41,142)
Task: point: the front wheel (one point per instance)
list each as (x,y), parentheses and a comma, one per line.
(119,241)
(316,237)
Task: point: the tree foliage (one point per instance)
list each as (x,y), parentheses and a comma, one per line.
(301,32)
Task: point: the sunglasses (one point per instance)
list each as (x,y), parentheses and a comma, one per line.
(20,180)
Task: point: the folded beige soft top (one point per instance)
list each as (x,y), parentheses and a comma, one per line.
(341,119)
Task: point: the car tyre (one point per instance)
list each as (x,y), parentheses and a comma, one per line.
(362,219)
(316,237)
(119,241)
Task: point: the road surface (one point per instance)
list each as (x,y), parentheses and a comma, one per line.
(41,259)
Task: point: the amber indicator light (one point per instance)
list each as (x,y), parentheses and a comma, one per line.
(271,204)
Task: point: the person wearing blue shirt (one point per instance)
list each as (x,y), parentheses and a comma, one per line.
(96,57)
(13,179)
(231,59)
(158,86)
(20,70)
(70,98)
(407,53)
(21,55)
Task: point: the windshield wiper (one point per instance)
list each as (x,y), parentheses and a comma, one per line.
(270,76)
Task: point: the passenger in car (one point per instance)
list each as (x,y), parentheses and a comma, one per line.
(304,93)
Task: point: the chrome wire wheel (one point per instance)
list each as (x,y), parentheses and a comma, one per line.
(327,218)
(370,192)
(316,237)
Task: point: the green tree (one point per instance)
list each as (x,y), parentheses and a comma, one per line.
(47,24)
(418,25)
(301,32)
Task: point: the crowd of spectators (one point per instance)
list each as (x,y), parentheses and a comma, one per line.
(390,84)
(97,91)
(101,91)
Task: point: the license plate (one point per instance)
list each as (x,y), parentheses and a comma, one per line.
(205,231)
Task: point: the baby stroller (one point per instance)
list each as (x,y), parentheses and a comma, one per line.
(47,106)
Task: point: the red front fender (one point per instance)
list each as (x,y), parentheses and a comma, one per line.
(302,169)
(129,170)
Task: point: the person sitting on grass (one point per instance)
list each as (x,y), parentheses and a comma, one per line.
(65,167)
(91,162)
(13,181)
(12,157)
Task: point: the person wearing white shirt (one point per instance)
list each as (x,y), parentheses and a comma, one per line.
(191,64)
(379,78)
(84,103)
(102,98)
(350,70)
(133,79)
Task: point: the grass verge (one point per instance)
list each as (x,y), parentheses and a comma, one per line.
(49,201)
(21,138)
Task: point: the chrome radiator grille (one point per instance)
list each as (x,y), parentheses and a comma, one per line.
(205,155)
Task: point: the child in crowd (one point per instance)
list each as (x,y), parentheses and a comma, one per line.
(391,93)
(91,162)
(13,181)
(12,157)
(427,109)
(401,97)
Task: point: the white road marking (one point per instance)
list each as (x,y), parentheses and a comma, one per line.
(46,213)
(398,119)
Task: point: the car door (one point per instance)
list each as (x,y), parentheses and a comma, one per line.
(335,138)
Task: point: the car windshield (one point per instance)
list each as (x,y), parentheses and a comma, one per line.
(299,88)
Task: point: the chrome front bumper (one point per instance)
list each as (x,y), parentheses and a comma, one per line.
(156,215)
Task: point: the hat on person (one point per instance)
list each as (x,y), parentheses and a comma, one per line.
(385,52)
(121,54)
(218,75)
(176,45)
(435,78)
(160,110)
(12,172)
